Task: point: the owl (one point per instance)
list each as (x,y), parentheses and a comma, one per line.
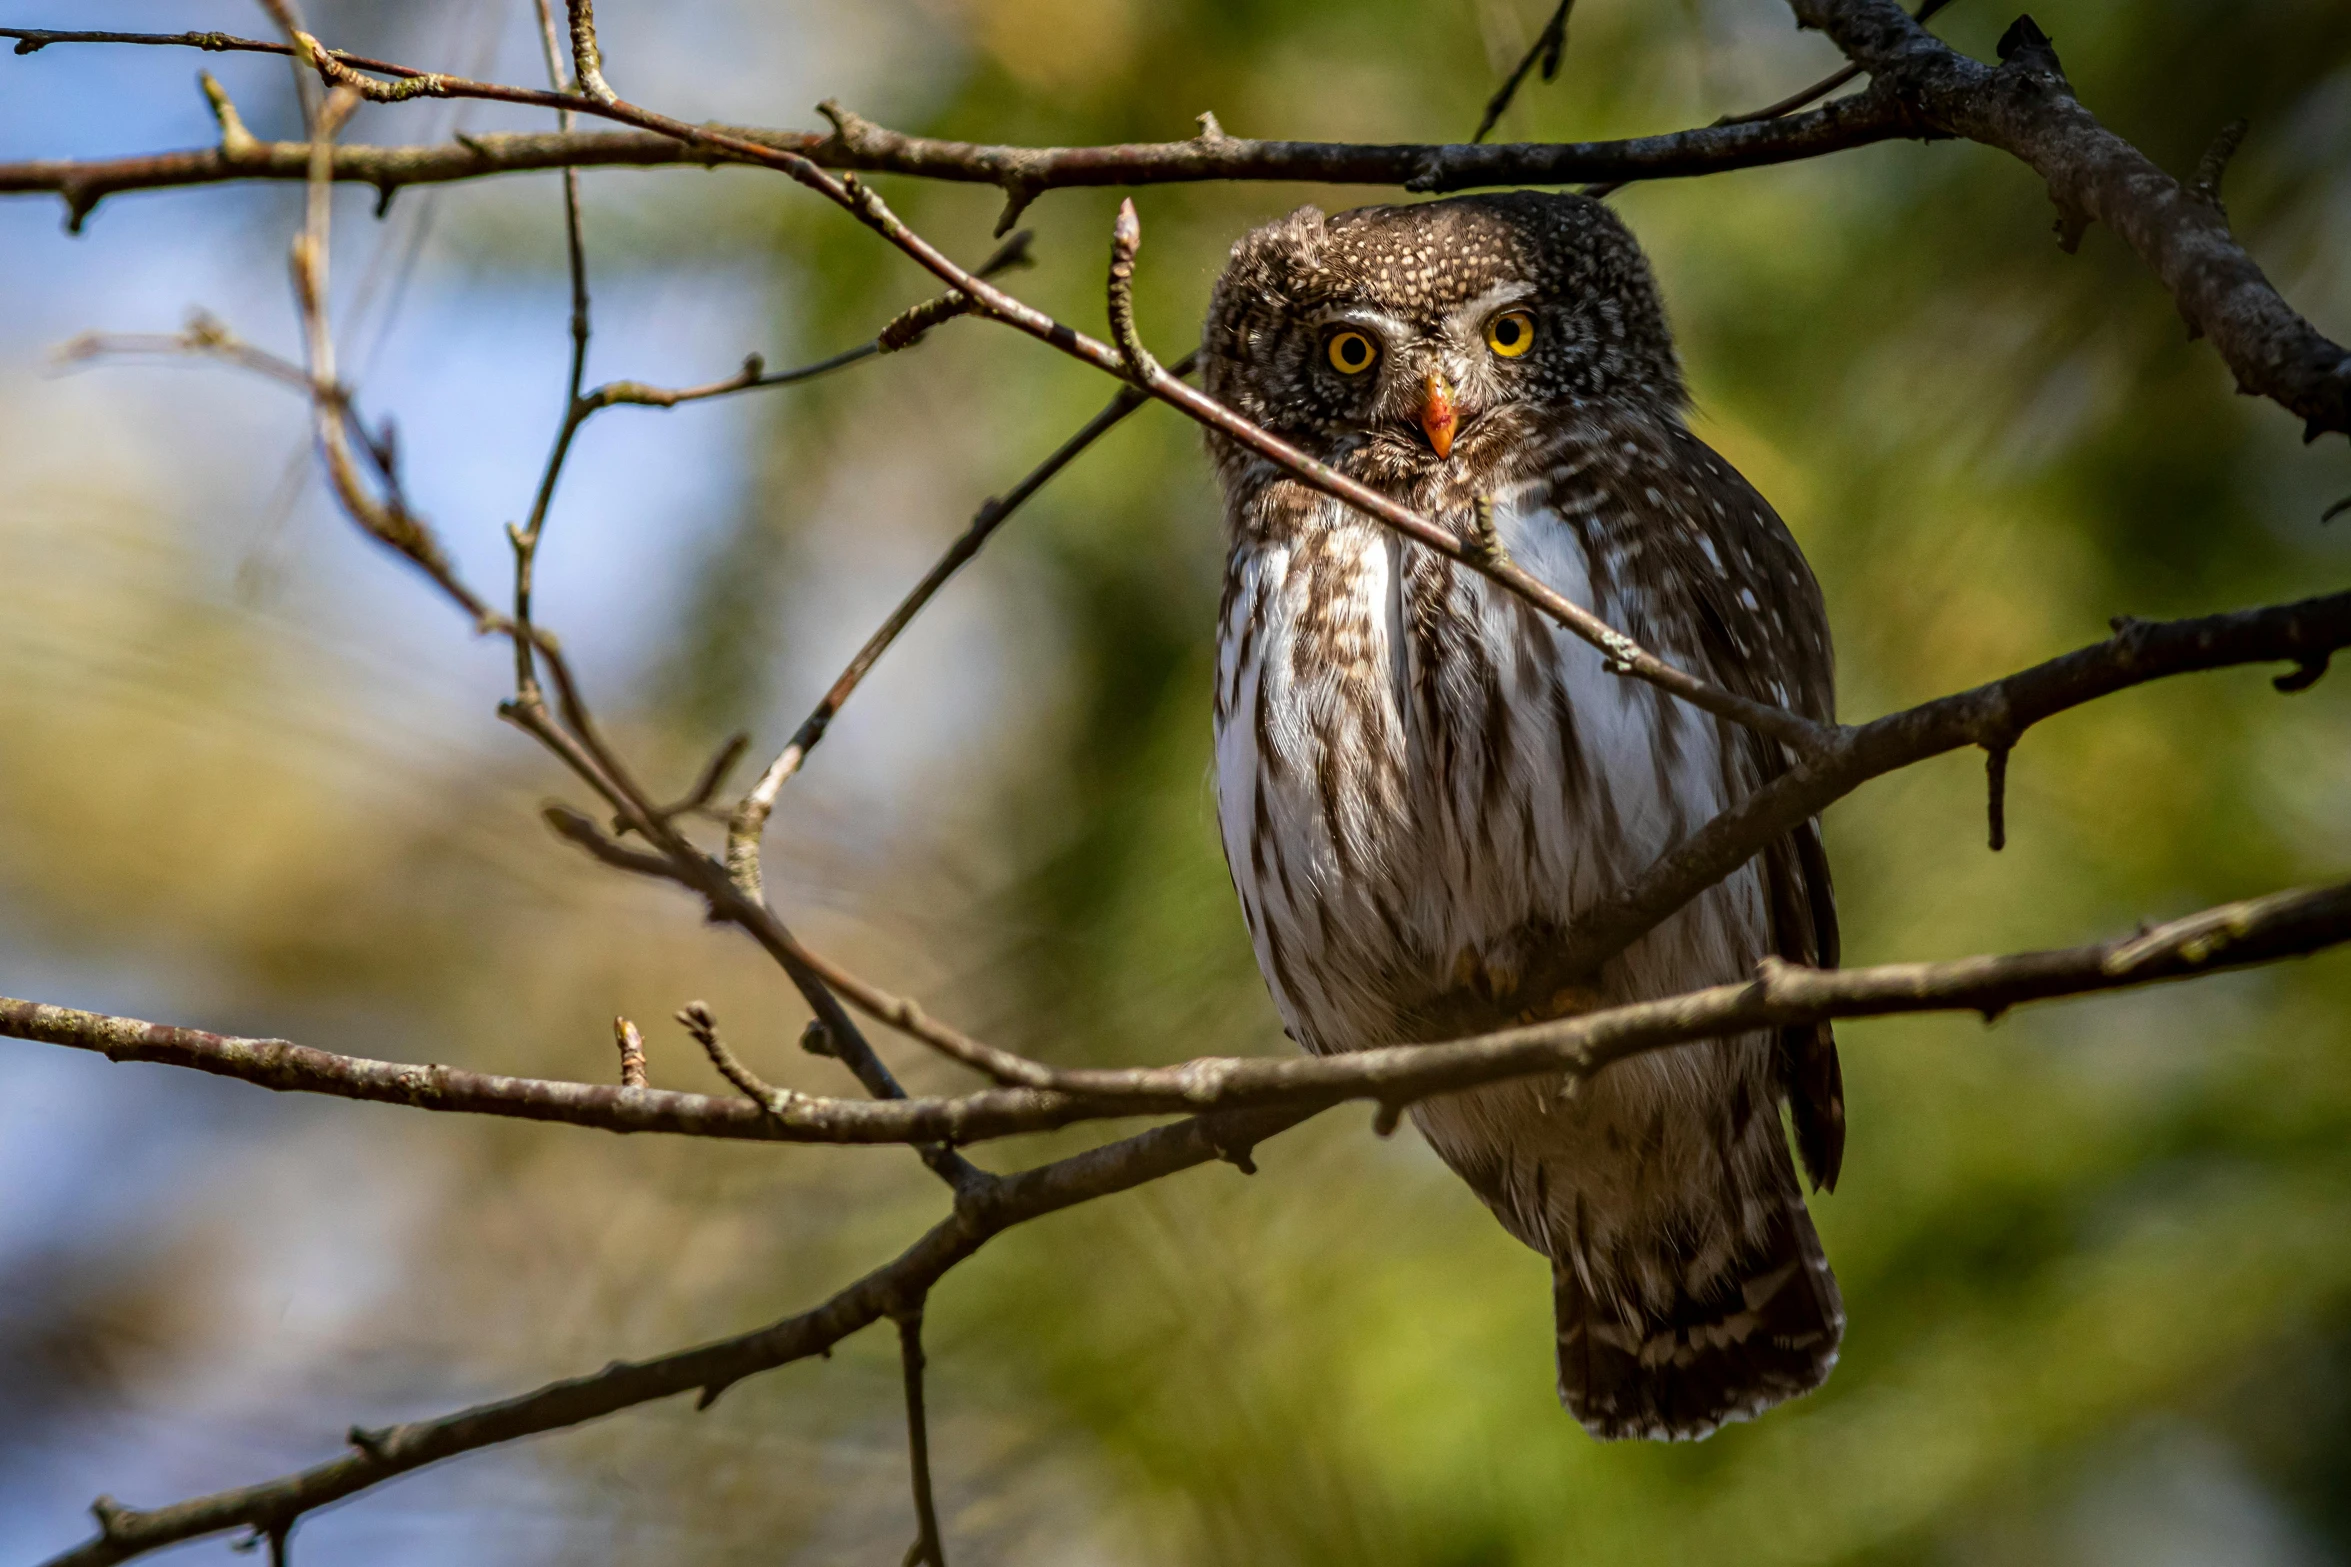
(1421,780)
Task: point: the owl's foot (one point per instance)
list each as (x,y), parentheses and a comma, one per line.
(1487,980)
(1569,1001)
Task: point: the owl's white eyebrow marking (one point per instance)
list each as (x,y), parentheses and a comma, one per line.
(1473,315)
(1389,327)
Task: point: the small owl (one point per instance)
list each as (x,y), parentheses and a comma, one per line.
(1421,780)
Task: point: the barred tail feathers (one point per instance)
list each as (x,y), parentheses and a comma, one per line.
(1759,1332)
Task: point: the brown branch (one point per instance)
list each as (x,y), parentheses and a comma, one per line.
(1802,98)
(2287,924)
(2263,930)
(284,1067)
(695,1015)
(750,817)
(928,1550)
(1549,46)
(2260,930)
(1621,654)
(1922,89)
(587,56)
(2026,108)
(707,1369)
(1427,167)
(386,518)
(2305,633)
(632,1052)
(525,540)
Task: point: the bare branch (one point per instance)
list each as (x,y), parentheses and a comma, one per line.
(525,540)
(928,1549)
(632,1052)
(283,1067)
(1427,167)
(695,1015)
(750,817)
(1549,45)
(2287,924)
(2026,108)
(708,1369)
(2304,633)
(1801,98)
(2262,930)
(587,56)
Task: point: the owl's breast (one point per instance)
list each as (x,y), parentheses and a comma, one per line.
(1417,774)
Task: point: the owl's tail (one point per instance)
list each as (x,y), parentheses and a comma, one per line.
(1759,1331)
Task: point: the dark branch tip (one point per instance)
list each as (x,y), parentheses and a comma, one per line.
(2215,161)
(2304,675)
(1018,194)
(2024,37)
(1996,790)
(850,129)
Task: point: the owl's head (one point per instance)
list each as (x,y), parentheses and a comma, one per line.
(1444,335)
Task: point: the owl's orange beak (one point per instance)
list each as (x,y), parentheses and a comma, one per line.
(1437,413)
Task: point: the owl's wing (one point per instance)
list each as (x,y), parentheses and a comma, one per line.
(1745,604)
(1763,632)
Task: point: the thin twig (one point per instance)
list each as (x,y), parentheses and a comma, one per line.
(707,1369)
(696,1017)
(928,1550)
(587,55)
(2261,930)
(2265,929)
(1800,99)
(750,817)
(1550,44)
(632,1052)
(525,540)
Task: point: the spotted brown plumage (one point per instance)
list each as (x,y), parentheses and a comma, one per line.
(1421,780)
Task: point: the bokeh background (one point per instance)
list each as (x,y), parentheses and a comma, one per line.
(2098,1257)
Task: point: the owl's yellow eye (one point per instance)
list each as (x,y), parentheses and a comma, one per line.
(1351,353)
(1511,333)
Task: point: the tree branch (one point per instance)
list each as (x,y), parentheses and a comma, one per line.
(2286,924)
(2026,108)
(2262,930)
(928,1549)
(1993,715)
(859,144)
(709,1369)
(749,820)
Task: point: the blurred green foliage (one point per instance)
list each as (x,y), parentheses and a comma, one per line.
(2087,1253)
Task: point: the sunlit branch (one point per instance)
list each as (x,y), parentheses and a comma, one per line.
(708,1369)
(749,819)
(2025,107)
(2261,930)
